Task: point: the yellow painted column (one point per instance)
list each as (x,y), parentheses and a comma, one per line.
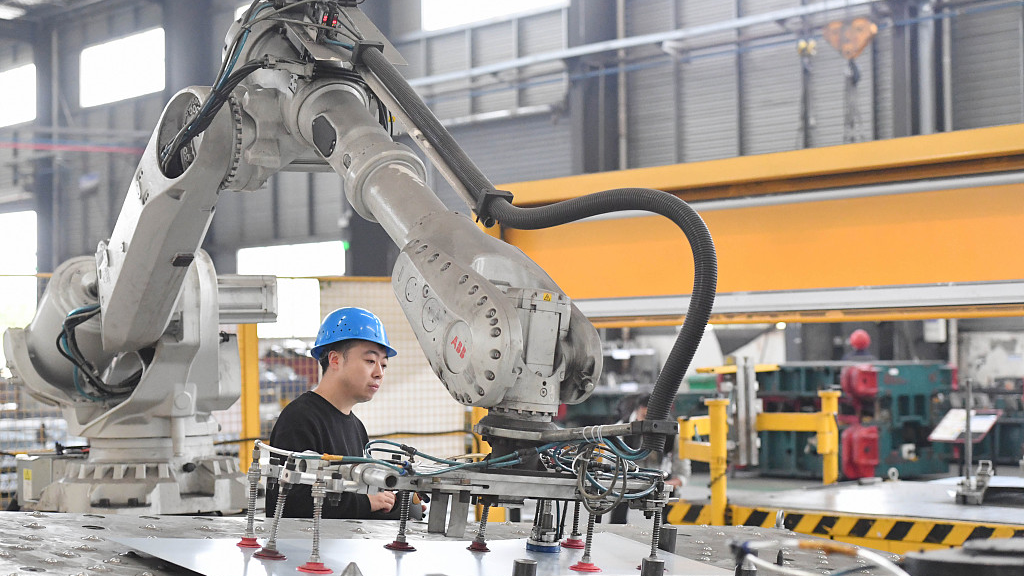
(249,355)
(719,457)
(497,513)
(828,436)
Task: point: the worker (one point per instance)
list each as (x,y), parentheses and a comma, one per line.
(667,462)
(353,351)
(859,342)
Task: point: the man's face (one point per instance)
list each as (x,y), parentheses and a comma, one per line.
(361,370)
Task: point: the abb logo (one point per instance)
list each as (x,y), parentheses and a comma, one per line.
(459,347)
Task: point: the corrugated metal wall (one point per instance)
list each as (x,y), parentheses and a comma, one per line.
(881,80)
(707,97)
(651,113)
(713,97)
(987,67)
(294,207)
(735,92)
(433,54)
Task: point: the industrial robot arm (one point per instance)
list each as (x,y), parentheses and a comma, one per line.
(128,344)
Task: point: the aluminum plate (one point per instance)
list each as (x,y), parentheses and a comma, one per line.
(614,554)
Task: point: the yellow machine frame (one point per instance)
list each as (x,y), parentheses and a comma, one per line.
(942,235)
(715,451)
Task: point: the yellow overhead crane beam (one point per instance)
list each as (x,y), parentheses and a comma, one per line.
(959,153)
(954,233)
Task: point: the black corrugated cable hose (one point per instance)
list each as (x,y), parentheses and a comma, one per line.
(705,278)
(421,115)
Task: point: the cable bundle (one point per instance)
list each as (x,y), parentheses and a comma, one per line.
(67,345)
(228,78)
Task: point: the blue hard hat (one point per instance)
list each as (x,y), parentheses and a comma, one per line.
(349,324)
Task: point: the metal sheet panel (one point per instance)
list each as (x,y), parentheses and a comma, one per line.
(770,93)
(414,52)
(246,218)
(650,88)
(703,12)
(652,130)
(752,7)
(987,74)
(709,102)
(882,63)
(328,205)
(257,219)
(614,555)
(448,53)
(90,543)
(227,222)
(293,205)
(540,33)
(647,16)
(827,80)
(539,148)
(490,44)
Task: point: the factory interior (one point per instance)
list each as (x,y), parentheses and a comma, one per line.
(662,287)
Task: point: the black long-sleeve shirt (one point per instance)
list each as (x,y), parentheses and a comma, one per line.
(310,422)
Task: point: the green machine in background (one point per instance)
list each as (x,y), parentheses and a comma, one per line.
(886,412)
(611,406)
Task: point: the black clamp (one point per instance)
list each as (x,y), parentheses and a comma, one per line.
(362,46)
(665,427)
(483,204)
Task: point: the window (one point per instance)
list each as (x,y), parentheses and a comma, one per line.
(438,14)
(18,93)
(298,299)
(11,12)
(123,68)
(16,269)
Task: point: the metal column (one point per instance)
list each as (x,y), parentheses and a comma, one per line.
(746,413)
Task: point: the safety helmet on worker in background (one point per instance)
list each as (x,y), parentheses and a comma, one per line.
(350,324)
(859,339)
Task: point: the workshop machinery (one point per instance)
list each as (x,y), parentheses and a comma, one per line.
(886,412)
(1004,443)
(127,342)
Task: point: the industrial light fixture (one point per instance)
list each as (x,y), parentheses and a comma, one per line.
(10,12)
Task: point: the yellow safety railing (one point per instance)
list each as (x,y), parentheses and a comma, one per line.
(715,426)
(715,452)
(824,423)
(732,369)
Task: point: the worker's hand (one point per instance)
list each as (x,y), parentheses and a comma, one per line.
(381,501)
(674,482)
